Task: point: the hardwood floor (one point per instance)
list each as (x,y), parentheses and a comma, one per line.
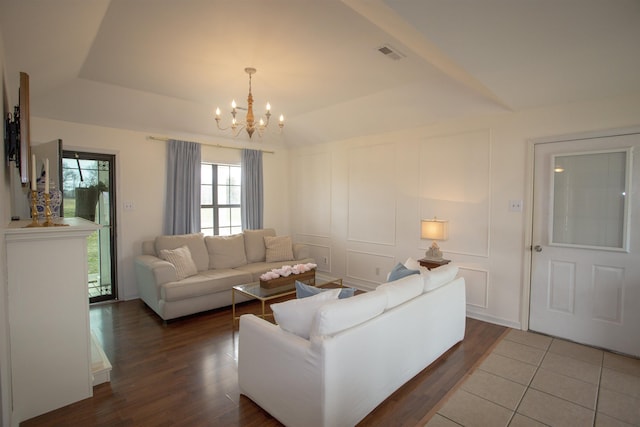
(185,373)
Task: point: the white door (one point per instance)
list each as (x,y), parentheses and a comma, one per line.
(585,283)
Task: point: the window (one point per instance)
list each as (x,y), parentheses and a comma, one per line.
(220,200)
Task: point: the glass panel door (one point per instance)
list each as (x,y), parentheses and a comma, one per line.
(88,183)
(590,199)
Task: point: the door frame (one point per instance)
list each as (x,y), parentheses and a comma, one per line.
(525,298)
(121,296)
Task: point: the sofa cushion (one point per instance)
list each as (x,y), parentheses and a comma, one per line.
(204,283)
(339,315)
(439,276)
(402,290)
(303,291)
(278,248)
(400,271)
(296,315)
(226,251)
(181,260)
(254,243)
(194,241)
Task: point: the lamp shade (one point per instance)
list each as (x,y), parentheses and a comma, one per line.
(434,229)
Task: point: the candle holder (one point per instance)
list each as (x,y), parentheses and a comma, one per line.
(48,215)
(47,211)
(34,210)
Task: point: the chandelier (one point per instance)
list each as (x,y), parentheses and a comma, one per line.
(249,123)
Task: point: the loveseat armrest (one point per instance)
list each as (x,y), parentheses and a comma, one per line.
(280,371)
(160,271)
(301,251)
(151,272)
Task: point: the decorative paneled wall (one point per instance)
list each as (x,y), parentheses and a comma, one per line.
(477,285)
(362,205)
(369,267)
(312,194)
(372,194)
(455,185)
(322,255)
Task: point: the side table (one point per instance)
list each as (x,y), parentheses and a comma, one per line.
(433,263)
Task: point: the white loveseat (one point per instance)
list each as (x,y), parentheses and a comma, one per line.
(361,349)
(221,262)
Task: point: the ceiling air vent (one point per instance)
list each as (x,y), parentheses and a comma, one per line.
(391,52)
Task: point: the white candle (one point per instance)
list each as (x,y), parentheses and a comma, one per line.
(46,176)
(33,172)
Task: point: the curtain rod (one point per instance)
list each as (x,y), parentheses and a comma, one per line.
(164,139)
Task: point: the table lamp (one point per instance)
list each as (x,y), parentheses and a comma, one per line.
(434,229)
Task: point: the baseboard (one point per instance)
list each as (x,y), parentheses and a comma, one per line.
(494,320)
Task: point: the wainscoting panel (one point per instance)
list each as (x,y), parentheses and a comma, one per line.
(477,286)
(322,256)
(369,267)
(608,284)
(311,197)
(372,194)
(455,185)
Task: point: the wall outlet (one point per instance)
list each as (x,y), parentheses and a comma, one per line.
(128,206)
(325,260)
(377,271)
(515,205)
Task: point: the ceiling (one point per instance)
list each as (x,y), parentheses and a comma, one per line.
(163,66)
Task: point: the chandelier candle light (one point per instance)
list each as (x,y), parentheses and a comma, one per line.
(249,124)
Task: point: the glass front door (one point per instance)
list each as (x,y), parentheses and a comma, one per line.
(88,192)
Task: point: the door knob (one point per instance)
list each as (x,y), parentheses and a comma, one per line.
(537,248)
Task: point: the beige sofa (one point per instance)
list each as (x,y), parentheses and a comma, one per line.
(177,286)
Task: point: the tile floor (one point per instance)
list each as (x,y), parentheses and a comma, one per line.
(535,380)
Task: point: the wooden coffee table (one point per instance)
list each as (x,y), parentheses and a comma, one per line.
(255,291)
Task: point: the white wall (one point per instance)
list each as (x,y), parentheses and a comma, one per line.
(5,217)
(140,178)
(358,202)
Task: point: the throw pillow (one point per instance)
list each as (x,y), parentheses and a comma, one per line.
(194,241)
(303,291)
(182,261)
(296,315)
(400,271)
(278,248)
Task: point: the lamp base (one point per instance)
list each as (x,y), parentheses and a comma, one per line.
(434,252)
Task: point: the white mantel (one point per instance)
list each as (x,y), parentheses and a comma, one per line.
(49,332)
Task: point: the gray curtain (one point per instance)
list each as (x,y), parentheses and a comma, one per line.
(182,209)
(252,191)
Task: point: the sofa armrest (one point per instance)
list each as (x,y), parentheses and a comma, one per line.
(266,356)
(301,251)
(160,270)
